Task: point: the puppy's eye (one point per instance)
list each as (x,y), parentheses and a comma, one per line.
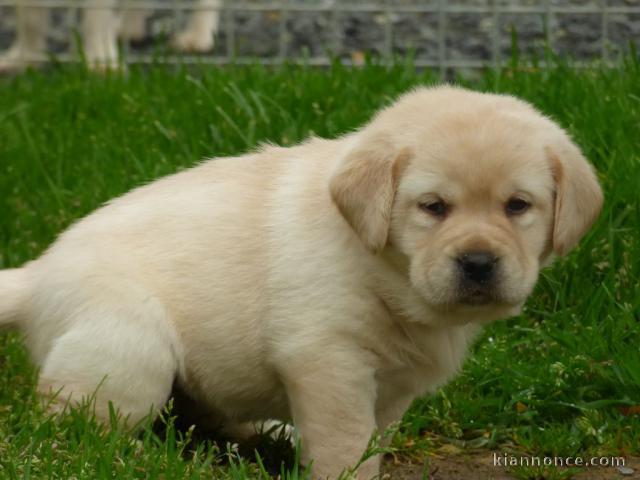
(437,208)
(517,206)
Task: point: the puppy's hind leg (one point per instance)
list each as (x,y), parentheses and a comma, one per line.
(133,26)
(127,356)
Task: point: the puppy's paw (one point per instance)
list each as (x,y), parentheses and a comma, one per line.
(102,67)
(191,41)
(15,61)
(278,430)
(275,429)
(104,63)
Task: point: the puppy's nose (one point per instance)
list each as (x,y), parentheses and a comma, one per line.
(478,267)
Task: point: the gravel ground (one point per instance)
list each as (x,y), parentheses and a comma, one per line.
(348,34)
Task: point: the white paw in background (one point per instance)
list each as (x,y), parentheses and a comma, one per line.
(15,60)
(193,41)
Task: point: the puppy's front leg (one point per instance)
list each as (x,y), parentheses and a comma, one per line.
(332,400)
(31,38)
(199,34)
(100,34)
(389,409)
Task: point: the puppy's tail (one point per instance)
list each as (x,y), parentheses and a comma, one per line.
(14,291)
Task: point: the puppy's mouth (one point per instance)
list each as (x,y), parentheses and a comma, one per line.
(477,296)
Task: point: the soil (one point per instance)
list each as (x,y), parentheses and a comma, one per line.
(479,466)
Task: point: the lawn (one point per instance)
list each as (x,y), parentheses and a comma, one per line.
(561,379)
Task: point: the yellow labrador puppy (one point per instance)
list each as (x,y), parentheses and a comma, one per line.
(329,283)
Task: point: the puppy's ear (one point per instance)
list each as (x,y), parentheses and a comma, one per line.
(578,195)
(363,188)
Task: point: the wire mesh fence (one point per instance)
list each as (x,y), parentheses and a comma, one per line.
(436,33)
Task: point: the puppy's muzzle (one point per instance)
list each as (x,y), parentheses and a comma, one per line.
(477,276)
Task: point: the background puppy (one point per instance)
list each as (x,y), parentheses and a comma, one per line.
(102,24)
(329,283)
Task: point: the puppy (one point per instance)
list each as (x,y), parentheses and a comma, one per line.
(330,283)
(101,26)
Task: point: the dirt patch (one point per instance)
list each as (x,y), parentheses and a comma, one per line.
(480,466)
(436,467)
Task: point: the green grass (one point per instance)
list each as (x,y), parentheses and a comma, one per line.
(554,381)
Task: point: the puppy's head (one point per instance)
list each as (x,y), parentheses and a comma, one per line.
(475,191)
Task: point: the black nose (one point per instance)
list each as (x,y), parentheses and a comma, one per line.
(478,267)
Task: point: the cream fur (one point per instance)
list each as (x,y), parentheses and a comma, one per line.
(305,283)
